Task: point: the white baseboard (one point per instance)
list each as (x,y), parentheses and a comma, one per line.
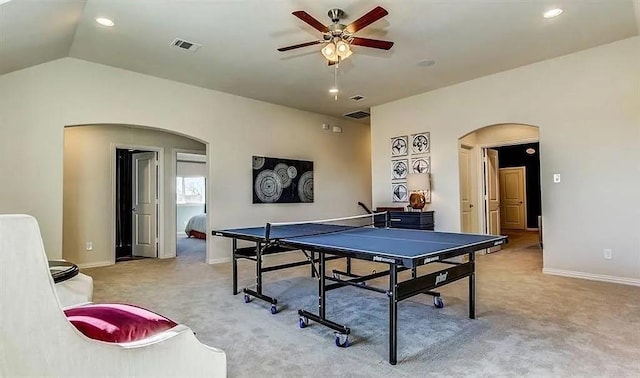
(95,264)
(593,277)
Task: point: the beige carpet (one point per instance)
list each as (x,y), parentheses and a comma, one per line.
(528,324)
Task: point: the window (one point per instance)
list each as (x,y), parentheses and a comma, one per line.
(190,189)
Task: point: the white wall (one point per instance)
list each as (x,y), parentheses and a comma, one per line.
(36,103)
(587,106)
(88,213)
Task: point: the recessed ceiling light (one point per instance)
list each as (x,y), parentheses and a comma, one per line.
(104,21)
(333,90)
(552,13)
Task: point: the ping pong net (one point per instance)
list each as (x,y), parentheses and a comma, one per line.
(290,230)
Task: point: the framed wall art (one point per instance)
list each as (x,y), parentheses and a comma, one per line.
(399,192)
(277,180)
(420,143)
(399,146)
(421,164)
(399,169)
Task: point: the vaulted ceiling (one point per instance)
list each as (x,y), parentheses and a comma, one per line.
(465,39)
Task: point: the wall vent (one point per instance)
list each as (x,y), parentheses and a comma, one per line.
(186,45)
(358,114)
(357,98)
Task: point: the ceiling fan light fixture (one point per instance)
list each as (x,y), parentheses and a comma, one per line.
(329,52)
(343,49)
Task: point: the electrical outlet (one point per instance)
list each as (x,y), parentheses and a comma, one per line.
(608,254)
(89,246)
(556,177)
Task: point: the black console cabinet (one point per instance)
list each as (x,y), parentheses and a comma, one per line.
(418,220)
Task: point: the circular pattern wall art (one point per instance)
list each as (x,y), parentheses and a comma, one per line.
(278,180)
(420,143)
(268,186)
(399,146)
(305,187)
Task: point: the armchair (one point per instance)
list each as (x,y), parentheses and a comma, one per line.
(37,339)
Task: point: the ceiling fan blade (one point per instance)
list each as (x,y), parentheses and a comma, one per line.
(375,43)
(299,45)
(368,19)
(306,17)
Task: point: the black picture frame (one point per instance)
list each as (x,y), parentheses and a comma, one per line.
(277,180)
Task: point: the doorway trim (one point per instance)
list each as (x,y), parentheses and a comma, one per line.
(174,173)
(160,183)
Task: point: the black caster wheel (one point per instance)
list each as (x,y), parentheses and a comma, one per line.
(342,340)
(438,302)
(303,322)
(247,298)
(336,276)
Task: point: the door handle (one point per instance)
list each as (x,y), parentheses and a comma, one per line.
(133,209)
(470,205)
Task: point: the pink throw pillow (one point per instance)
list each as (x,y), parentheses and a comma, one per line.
(117,323)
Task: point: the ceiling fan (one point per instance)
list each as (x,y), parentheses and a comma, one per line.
(339,37)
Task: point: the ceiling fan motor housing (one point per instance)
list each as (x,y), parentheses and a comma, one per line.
(337,30)
(336,14)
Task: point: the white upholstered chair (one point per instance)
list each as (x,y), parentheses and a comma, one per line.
(36,339)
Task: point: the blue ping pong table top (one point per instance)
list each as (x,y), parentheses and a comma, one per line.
(391,242)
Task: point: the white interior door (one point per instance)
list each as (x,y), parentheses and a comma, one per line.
(513,198)
(145,202)
(492,193)
(468,208)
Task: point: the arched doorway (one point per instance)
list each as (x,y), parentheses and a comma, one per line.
(501,196)
(89,188)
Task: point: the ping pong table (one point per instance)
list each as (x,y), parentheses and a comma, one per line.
(400,249)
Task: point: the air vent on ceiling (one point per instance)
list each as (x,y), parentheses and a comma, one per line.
(358,114)
(357,97)
(190,46)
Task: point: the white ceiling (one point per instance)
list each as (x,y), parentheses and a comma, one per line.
(466,38)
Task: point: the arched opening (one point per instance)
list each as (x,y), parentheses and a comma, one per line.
(500,193)
(120,192)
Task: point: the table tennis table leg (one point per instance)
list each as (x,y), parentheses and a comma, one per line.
(313,259)
(321,287)
(259,268)
(472,286)
(393,314)
(235,266)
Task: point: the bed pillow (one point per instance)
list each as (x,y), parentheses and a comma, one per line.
(117,323)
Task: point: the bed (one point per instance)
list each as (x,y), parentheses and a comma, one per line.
(197,226)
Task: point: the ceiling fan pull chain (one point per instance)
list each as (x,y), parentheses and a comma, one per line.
(335,78)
